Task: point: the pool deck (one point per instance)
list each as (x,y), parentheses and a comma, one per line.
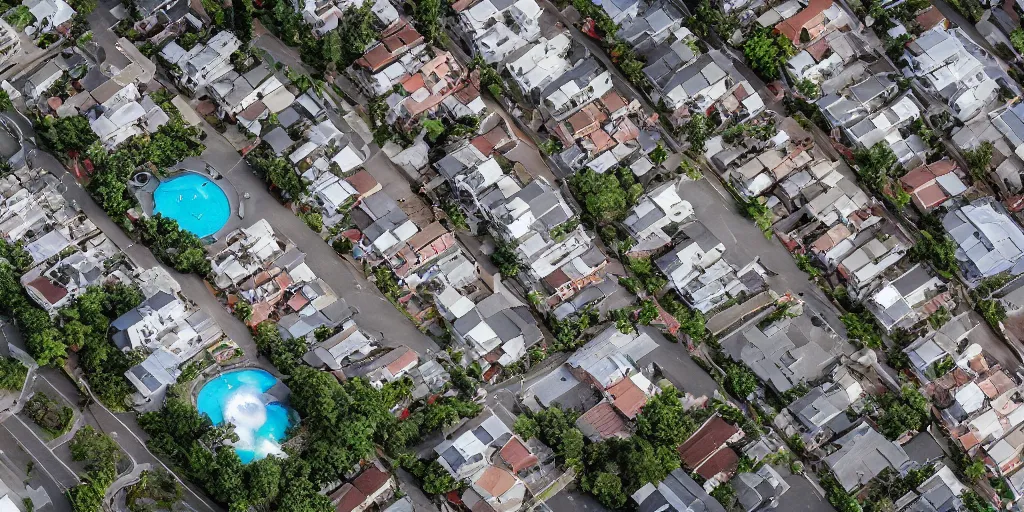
(144,194)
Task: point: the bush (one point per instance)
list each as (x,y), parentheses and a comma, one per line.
(52,416)
(12,374)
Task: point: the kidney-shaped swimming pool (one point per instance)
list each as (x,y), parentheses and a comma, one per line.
(240,398)
(198,204)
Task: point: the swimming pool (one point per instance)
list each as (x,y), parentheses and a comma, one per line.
(239,398)
(198,204)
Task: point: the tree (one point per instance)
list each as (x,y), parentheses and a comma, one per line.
(648,312)
(437,480)
(862,328)
(427,16)
(5,101)
(697,131)
(506,259)
(808,88)
(740,381)
(725,493)
(992,311)
(280,173)
(659,155)
(940,250)
(242,16)
(663,421)
(12,374)
(900,198)
(757,210)
(976,471)
(66,134)
(243,310)
(435,128)
(979,160)
(526,427)
(906,411)
(765,51)
(874,164)
(97,450)
(356,31)
(602,196)
(607,488)
(1017,39)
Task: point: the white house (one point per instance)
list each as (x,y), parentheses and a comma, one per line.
(655,211)
(204,63)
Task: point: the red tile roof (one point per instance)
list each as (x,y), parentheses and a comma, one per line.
(371,480)
(629,398)
(810,17)
(395,40)
(703,443)
(924,174)
(602,421)
(517,455)
(347,498)
(930,18)
(723,461)
(50,291)
(363,182)
(557,278)
(408,357)
(613,101)
(495,481)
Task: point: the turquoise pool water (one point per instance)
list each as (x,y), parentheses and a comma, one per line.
(197,203)
(238,398)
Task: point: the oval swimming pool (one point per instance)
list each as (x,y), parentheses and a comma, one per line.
(239,398)
(198,204)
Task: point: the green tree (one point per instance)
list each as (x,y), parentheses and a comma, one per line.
(658,155)
(435,128)
(506,259)
(992,311)
(1017,39)
(526,427)
(356,31)
(862,328)
(979,160)
(12,374)
(437,480)
(900,198)
(427,16)
(808,88)
(5,101)
(602,196)
(740,381)
(648,312)
(906,411)
(66,134)
(765,51)
(874,164)
(975,471)
(607,488)
(697,130)
(280,173)
(242,17)
(97,450)
(663,421)
(243,310)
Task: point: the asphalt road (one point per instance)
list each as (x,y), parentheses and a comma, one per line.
(17,457)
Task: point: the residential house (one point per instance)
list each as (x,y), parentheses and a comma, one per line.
(857,101)
(620,10)
(249,251)
(204,63)
(374,486)
(259,88)
(655,26)
(988,241)
(786,352)
(535,66)
(398,55)
(469,451)
(812,21)
(600,135)
(602,422)
(124,115)
(422,249)
(424,90)
(950,71)
(759,490)
(384,226)
(495,29)
(495,488)
(43,79)
(940,492)
(934,184)
(55,286)
(387,368)
(10,43)
(864,453)
(677,492)
(324,15)
(495,332)
(697,269)
(586,81)
(707,453)
(873,255)
(610,357)
(50,15)
(678,80)
(820,414)
(909,299)
(657,210)
(948,341)
(349,344)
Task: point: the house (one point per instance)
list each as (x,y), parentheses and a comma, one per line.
(988,241)
(811,19)
(399,53)
(677,492)
(259,87)
(707,453)
(760,489)
(946,341)
(349,344)
(586,81)
(324,15)
(154,375)
(374,485)
(677,81)
(940,492)
(387,368)
(821,413)
(383,224)
(655,211)
(471,449)
(908,299)
(50,15)
(10,43)
(600,135)
(54,287)
(949,70)
(858,100)
(610,357)
(655,26)
(422,249)
(424,90)
(931,185)
(602,422)
(874,254)
(536,65)
(204,63)
(495,488)
(864,453)
(44,78)
(495,29)
(498,330)
(163,322)
(786,352)
(697,269)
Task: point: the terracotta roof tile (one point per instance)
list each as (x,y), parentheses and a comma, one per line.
(52,292)
(723,461)
(703,443)
(629,398)
(602,421)
(517,455)
(495,481)
(371,480)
